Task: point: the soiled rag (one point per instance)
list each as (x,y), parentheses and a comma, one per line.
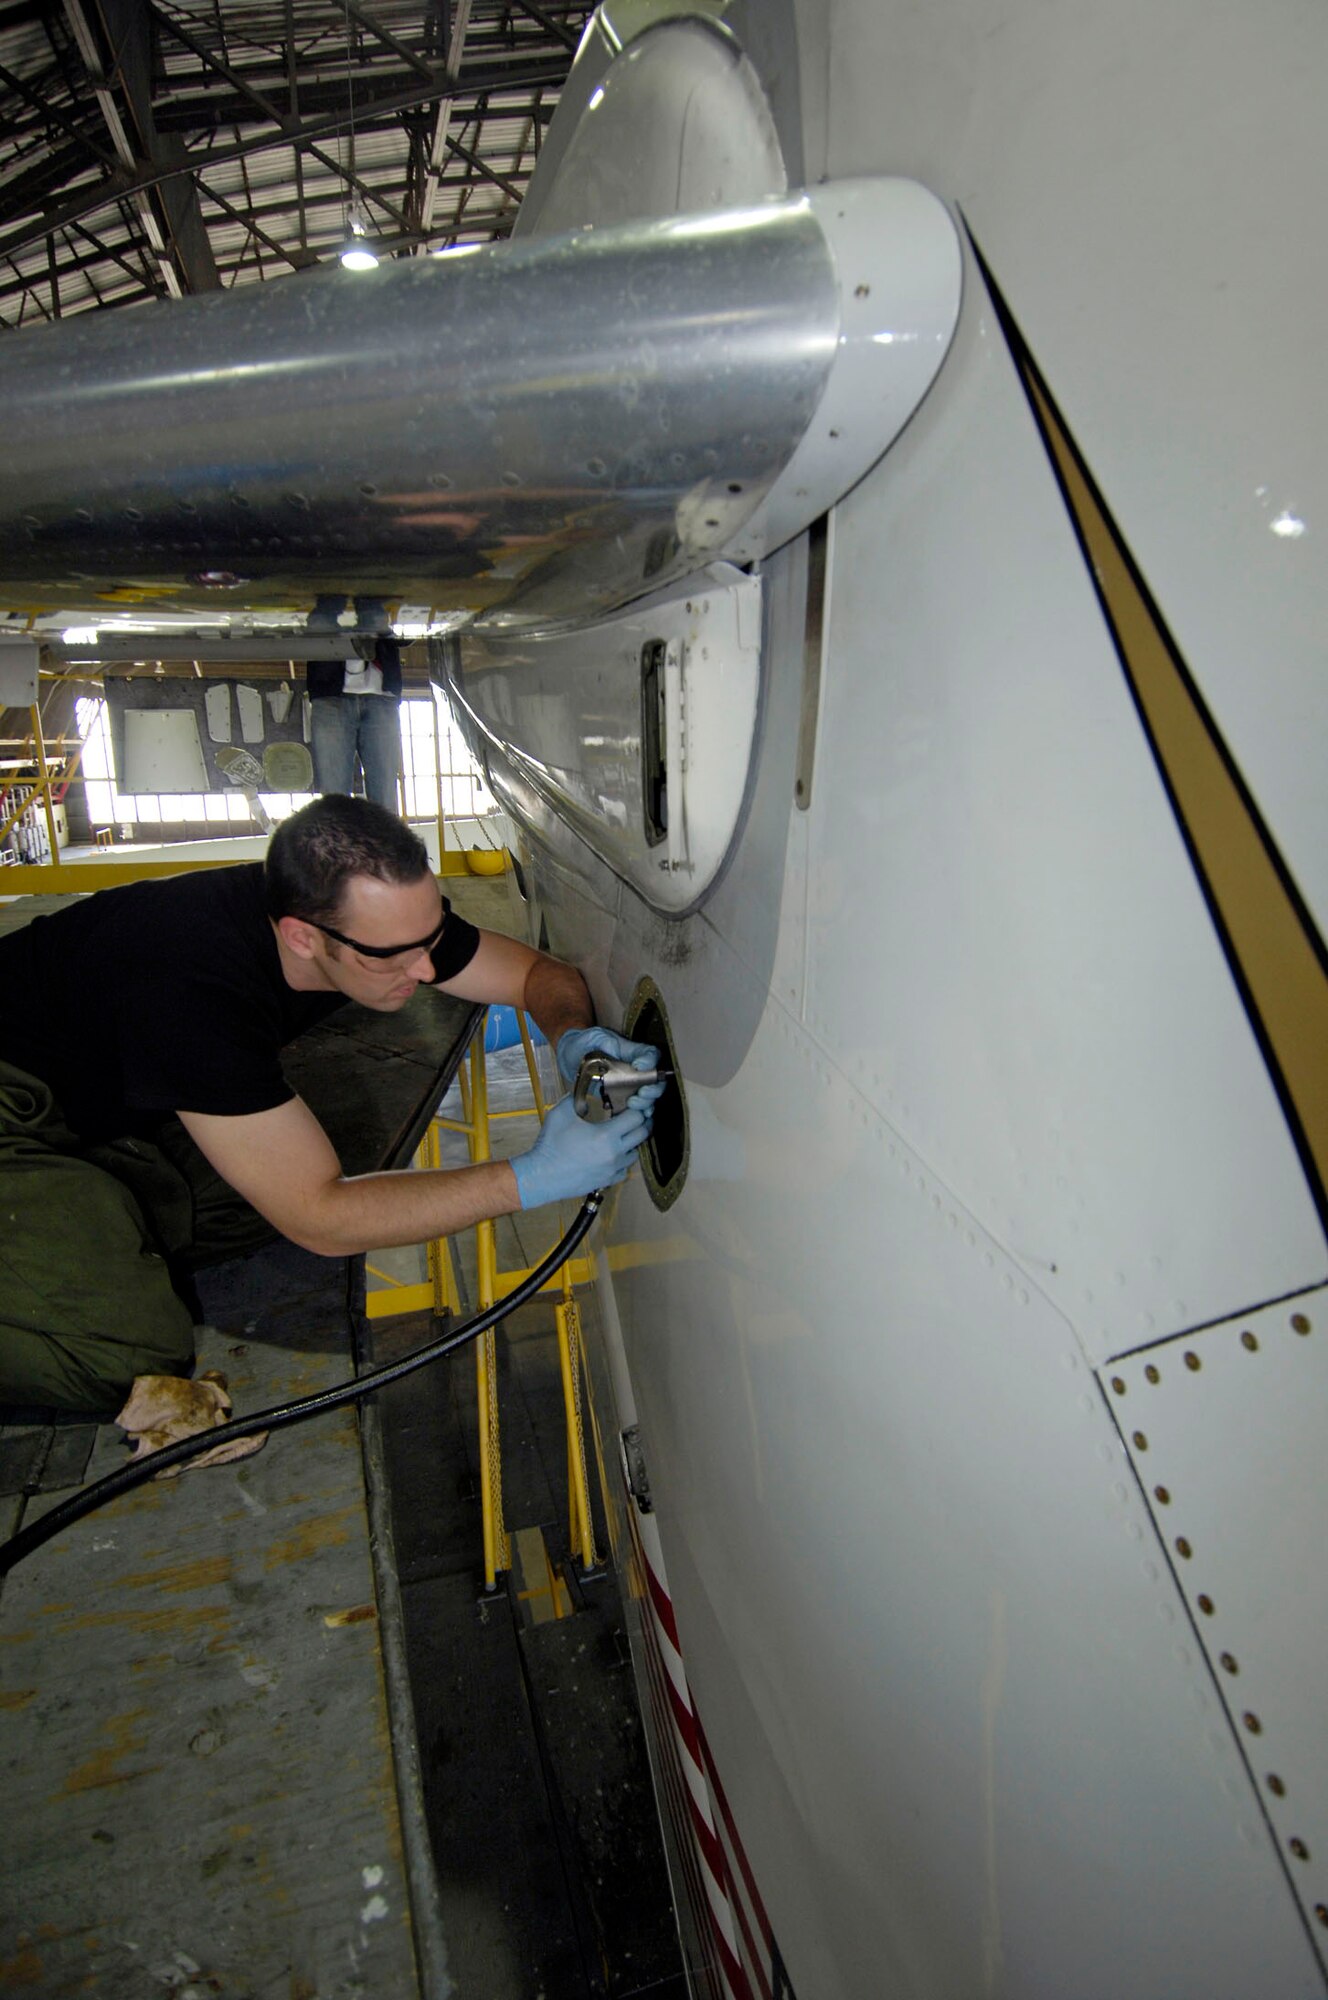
(164,1408)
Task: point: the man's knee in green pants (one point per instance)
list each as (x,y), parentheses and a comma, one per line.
(86,1303)
(90,1372)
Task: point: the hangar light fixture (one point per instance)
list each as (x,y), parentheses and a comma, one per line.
(358,253)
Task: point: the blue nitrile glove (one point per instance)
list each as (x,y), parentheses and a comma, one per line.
(578,1043)
(571,1156)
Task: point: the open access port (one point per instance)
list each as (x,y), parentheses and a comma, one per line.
(665,1155)
(654,747)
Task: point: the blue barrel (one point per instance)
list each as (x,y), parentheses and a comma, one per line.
(502,1030)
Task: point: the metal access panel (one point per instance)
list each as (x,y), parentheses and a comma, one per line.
(173,734)
(163,752)
(18,672)
(1225,1429)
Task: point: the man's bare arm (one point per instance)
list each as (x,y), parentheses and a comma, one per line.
(505,972)
(283,1163)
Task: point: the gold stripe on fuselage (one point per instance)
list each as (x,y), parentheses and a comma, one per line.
(1275,953)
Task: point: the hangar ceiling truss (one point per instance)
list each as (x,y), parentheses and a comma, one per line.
(159,147)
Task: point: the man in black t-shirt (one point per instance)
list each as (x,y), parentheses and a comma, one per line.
(141,1029)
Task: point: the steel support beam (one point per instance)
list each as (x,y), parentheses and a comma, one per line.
(132,182)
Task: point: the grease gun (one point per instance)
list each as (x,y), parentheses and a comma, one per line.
(603,1086)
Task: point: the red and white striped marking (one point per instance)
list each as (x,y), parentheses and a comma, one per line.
(741,1959)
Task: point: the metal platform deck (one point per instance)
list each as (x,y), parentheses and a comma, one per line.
(198,1760)
(199,1783)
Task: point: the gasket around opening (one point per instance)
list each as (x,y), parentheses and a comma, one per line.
(667,1152)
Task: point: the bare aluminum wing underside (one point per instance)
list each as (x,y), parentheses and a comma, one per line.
(535,432)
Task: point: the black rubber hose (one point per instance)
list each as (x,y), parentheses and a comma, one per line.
(91,1497)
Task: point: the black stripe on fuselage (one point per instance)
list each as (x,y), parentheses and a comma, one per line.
(1276,953)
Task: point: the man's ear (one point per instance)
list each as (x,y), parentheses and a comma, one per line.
(298,936)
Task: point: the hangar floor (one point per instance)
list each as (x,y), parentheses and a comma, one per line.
(265,1733)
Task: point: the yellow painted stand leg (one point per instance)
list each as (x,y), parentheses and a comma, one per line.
(532,1067)
(497,1545)
(446,1293)
(490,1283)
(581,1530)
(442,1275)
(45,778)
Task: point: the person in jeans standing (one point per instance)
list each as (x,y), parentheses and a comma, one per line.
(355,723)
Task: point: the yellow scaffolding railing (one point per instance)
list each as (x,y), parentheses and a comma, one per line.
(76,877)
(441,1294)
(57,876)
(40,787)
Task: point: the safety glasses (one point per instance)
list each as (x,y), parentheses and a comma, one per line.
(381,951)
